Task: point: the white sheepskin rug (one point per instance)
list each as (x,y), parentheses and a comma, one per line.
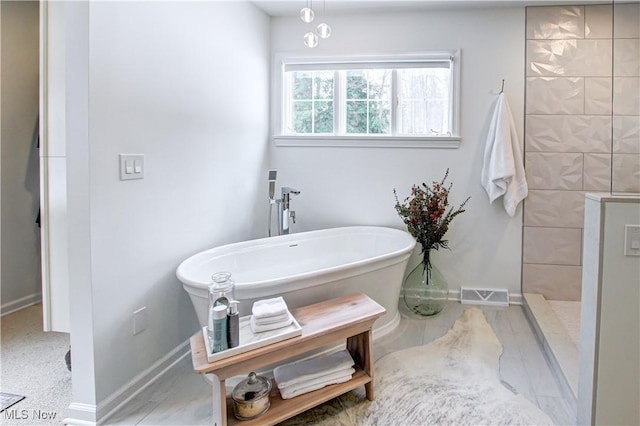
(454,380)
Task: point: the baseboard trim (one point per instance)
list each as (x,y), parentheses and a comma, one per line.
(80,414)
(91,415)
(110,405)
(18,304)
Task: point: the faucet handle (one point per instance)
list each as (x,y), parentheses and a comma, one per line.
(288,190)
(292,213)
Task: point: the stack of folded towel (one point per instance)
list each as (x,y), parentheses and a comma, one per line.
(270,314)
(300,377)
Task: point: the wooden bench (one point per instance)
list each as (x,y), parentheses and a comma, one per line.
(349,317)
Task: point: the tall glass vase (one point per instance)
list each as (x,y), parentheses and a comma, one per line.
(425,291)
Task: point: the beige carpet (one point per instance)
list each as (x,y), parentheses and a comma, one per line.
(33,365)
(454,380)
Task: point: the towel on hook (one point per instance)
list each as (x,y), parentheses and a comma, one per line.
(503,171)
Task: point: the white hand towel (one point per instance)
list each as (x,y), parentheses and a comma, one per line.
(269,307)
(302,371)
(503,172)
(257,328)
(321,380)
(293,392)
(271,320)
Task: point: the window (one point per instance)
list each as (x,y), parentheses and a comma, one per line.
(393,99)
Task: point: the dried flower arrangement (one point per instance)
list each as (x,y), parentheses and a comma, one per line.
(426,216)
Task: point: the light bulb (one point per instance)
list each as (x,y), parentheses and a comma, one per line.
(310,39)
(307,15)
(324,30)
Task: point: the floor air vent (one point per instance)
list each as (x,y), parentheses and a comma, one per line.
(483,296)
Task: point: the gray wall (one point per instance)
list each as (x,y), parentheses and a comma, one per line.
(185,84)
(20,270)
(354,186)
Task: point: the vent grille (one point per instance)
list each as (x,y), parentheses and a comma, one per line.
(484,296)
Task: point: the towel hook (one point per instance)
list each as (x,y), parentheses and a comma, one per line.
(502,89)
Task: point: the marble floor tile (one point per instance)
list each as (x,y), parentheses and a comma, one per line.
(181,397)
(536,366)
(409,333)
(509,344)
(135,410)
(518,320)
(557,409)
(511,369)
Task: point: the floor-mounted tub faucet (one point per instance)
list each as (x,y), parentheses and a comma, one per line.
(283,203)
(285,212)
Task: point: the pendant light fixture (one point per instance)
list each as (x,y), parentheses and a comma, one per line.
(323,30)
(307,14)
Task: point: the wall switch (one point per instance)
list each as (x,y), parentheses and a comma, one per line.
(131,166)
(632,240)
(139,320)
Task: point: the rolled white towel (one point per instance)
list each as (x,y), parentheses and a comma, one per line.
(269,308)
(271,320)
(258,328)
(303,371)
(302,388)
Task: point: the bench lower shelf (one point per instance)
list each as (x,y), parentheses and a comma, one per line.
(282,409)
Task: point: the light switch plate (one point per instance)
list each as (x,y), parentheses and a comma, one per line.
(632,240)
(131,166)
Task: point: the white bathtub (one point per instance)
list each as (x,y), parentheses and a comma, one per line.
(306,268)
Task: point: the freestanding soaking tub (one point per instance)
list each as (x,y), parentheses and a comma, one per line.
(307,268)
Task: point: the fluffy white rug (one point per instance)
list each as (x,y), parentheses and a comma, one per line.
(454,380)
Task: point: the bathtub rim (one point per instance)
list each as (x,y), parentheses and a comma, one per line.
(306,279)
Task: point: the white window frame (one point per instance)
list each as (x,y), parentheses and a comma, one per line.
(282,60)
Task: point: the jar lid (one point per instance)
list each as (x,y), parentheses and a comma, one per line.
(252,388)
(221,281)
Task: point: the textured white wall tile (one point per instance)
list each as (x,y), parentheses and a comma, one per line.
(626,173)
(626,100)
(568,133)
(626,17)
(554,209)
(598,21)
(552,246)
(569,58)
(626,58)
(626,134)
(555,95)
(597,172)
(554,282)
(554,171)
(597,95)
(558,22)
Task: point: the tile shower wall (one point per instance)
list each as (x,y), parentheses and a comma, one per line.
(582,131)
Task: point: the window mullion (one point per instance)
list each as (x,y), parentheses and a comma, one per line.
(339,103)
(394,102)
